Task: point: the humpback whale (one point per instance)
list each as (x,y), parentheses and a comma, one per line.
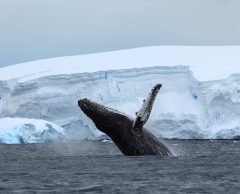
(129,135)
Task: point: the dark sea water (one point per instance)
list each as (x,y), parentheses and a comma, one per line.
(97,167)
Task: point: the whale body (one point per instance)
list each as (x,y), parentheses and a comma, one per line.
(129,135)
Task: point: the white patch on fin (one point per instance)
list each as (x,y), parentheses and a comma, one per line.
(143,114)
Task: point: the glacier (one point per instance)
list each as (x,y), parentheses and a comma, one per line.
(191,103)
(22,131)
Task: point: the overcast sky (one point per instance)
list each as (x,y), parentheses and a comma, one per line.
(36,29)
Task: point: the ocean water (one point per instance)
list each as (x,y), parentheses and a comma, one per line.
(198,166)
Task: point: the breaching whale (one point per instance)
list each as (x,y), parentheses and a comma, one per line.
(129,135)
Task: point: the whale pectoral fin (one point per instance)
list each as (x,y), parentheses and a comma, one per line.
(143,114)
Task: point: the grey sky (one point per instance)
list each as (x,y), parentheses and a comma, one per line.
(36,29)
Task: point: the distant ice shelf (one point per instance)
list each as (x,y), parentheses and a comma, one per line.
(196,101)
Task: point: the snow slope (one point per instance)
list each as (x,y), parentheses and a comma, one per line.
(198,100)
(22,130)
(202,60)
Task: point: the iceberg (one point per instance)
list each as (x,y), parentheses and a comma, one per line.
(200,97)
(22,131)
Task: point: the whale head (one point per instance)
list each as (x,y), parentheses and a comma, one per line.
(107,120)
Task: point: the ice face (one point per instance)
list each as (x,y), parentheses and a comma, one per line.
(185,107)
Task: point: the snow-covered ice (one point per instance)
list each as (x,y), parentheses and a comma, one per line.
(200,97)
(22,130)
(206,62)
